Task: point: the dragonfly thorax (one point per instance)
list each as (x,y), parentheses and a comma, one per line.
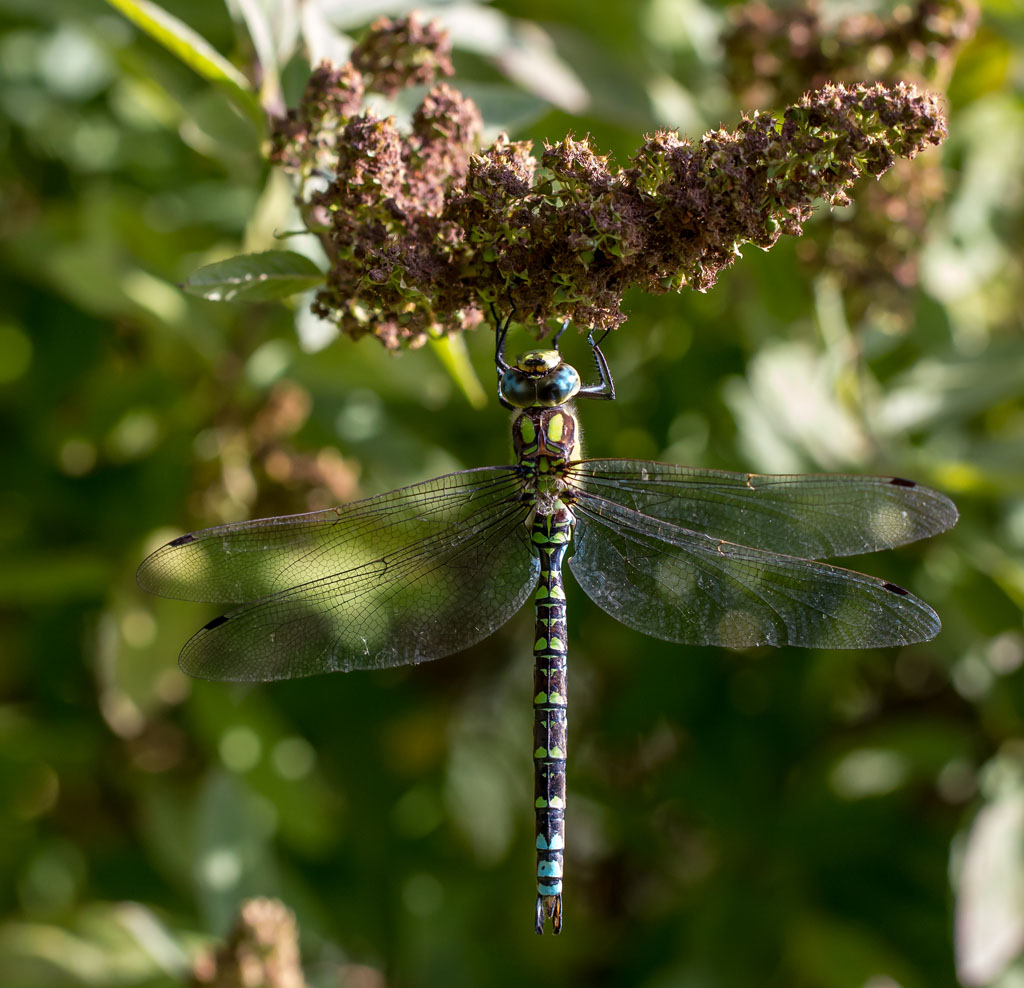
(546,439)
(539,379)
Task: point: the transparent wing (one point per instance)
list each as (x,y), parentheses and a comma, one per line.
(685,587)
(245,561)
(407,576)
(815,516)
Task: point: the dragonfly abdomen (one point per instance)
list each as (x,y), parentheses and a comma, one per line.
(550,535)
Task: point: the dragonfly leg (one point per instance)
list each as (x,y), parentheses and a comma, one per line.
(558,335)
(606,389)
(500,334)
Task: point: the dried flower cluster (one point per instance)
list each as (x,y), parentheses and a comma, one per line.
(773,53)
(423,233)
(262,949)
(401,53)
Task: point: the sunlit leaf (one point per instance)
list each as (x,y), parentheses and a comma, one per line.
(191,47)
(273,274)
(322,38)
(523,50)
(262,37)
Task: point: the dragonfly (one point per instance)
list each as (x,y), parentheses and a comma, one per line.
(686,554)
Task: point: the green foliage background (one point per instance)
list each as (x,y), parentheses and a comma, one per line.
(843,820)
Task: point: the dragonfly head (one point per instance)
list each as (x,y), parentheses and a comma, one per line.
(539,378)
(537,363)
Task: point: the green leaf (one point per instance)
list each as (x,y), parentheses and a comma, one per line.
(192,48)
(261,277)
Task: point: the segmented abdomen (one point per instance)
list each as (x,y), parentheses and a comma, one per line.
(550,534)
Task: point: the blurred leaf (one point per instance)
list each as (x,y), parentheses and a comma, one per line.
(990,891)
(321,38)
(262,37)
(273,274)
(789,416)
(982,68)
(938,389)
(106,945)
(193,49)
(214,126)
(504,108)
(233,859)
(451,351)
(522,49)
(357,13)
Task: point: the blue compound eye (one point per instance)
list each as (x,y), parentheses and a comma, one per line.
(558,387)
(518,389)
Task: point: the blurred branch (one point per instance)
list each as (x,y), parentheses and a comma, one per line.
(262,951)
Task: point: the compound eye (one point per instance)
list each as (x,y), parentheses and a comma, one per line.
(517,389)
(559,387)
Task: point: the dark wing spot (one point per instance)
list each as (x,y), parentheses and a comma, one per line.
(891,587)
(902,482)
(218,621)
(182,540)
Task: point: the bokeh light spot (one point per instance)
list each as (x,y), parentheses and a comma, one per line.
(293,758)
(240,749)
(220,868)
(77,457)
(138,629)
(868,772)
(422,894)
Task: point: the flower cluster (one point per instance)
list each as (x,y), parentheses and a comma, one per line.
(424,231)
(777,51)
(401,53)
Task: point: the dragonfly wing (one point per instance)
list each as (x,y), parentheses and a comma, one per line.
(684,587)
(249,560)
(814,516)
(408,576)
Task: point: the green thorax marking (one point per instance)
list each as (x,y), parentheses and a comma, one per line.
(546,434)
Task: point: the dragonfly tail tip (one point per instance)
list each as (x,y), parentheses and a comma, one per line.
(549,905)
